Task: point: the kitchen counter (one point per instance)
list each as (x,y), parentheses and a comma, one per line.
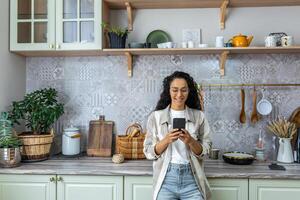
(104,166)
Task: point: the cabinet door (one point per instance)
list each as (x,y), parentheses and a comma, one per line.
(138,187)
(229,189)
(73,187)
(78,24)
(27,187)
(32,25)
(273,189)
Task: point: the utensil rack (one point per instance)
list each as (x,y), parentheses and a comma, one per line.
(250,85)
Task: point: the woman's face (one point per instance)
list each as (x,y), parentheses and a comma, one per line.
(179,92)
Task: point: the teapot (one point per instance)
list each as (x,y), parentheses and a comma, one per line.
(241,40)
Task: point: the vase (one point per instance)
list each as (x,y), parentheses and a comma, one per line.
(117,41)
(285,153)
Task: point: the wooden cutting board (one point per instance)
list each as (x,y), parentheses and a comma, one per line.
(100,138)
(295,118)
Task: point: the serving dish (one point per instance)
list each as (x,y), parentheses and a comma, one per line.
(238,158)
(156,37)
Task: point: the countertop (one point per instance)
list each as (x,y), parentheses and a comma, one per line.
(104,166)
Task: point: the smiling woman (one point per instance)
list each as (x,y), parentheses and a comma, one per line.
(177,153)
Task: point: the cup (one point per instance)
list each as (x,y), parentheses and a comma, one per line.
(270,41)
(287,41)
(214,154)
(220,41)
(190,44)
(184,45)
(228,44)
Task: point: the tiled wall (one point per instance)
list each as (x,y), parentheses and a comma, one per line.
(93,86)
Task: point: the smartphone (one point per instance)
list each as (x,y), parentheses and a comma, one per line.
(179,123)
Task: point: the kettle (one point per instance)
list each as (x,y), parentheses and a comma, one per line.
(241,40)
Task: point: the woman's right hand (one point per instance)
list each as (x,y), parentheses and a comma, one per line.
(172,136)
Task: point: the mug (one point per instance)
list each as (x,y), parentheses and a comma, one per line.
(286,41)
(190,44)
(220,41)
(214,154)
(270,41)
(184,45)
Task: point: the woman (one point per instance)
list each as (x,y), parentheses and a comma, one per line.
(178,153)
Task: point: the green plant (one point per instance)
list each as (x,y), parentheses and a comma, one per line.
(10,142)
(7,140)
(114,29)
(40,109)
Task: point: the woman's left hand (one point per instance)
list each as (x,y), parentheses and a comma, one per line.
(185,137)
(195,146)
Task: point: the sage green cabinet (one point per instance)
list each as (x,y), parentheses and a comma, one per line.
(138,187)
(75,187)
(60,187)
(229,189)
(27,187)
(54,25)
(272,189)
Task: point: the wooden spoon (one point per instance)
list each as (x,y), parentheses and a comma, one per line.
(201,98)
(243,113)
(254,116)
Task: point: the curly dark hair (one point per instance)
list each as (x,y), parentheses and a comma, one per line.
(165,97)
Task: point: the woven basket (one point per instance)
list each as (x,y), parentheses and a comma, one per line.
(131,144)
(36,147)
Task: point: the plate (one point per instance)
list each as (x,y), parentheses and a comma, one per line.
(156,37)
(238,158)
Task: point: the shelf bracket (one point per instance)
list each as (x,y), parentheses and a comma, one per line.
(129,16)
(223,59)
(223,13)
(129,63)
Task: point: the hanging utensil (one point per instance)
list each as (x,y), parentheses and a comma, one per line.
(201,97)
(264,107)
(243,113)
(254,117)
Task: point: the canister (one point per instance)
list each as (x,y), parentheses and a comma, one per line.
(71,141)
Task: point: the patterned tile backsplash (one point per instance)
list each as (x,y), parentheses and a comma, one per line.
(93,86)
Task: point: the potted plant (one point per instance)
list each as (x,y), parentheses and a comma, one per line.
(117,35)
(39,109)
(9,144)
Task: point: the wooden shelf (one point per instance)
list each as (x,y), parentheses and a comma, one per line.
(212,50)
(129,53)
(222,52)
(153,4)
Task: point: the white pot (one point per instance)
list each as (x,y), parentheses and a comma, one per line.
(71,141)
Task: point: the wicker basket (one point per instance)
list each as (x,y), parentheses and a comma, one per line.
(131,144)
(36,147)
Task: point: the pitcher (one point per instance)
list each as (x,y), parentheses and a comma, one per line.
(285,153)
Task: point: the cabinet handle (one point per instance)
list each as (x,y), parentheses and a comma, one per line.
(57,46)
(52,179)
(51,46)
(59,178)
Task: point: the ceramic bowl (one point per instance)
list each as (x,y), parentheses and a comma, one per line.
(136,45)
(238,158)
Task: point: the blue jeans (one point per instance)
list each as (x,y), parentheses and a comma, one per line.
(179,184)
